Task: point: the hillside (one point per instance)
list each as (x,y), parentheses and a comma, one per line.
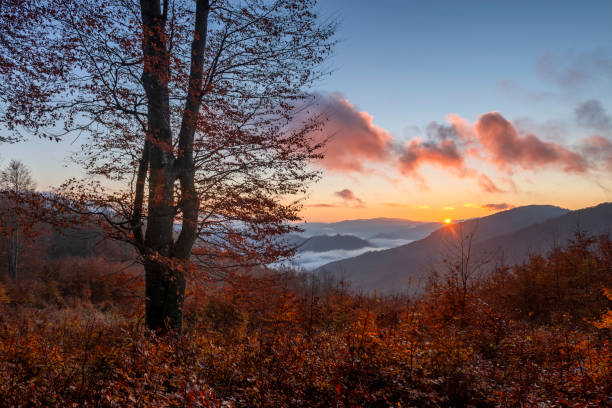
(540,237)
(324,243)
(407,267)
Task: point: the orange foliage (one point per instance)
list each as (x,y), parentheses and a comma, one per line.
(73,335)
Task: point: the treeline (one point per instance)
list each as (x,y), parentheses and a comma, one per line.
(537,334)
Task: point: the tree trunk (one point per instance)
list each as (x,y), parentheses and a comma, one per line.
(165,292)
(12,264)
(12,252)
(165,286)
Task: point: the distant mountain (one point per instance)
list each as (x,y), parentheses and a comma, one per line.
(406,268)
(294,239)
(409,233)
(324,243)
(365,228)
(541,237)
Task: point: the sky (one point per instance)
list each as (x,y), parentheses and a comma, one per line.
(450,109)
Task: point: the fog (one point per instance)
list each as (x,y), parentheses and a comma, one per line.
(310,260)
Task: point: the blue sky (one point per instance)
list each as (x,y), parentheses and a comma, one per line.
(410,62)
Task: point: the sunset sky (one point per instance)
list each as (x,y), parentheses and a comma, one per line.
(451,109)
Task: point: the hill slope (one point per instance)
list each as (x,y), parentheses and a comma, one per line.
(323,243)
(407,267)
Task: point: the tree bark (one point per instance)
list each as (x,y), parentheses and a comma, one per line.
(161,289)
(13,255)
(165,285)
(13,242)
(165,292)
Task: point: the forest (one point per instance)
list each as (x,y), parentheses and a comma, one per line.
(538,334)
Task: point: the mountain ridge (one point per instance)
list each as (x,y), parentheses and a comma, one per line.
(423,255)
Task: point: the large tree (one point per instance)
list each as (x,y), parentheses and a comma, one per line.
(198,106)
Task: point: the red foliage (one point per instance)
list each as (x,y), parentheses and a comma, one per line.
(74,336)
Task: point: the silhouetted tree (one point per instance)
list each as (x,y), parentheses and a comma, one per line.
(199,107)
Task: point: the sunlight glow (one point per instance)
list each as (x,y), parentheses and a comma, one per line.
(447,221)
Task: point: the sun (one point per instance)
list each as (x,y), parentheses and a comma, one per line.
(448,221)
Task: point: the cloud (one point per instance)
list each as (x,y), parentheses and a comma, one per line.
(348,196)
(321,205)
(515,90)
(423,207)
(352,136)
(394,205)
(463,128)
(591,114)
(416,153)
(574,70)
(507,149)
(599,150)
(487,185)
(435,130)
(448,208)
(498,207)
(355,143)
(446,148)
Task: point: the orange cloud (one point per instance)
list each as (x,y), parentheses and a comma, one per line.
(352,136)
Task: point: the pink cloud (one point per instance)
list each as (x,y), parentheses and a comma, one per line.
(352,136)
(506,148)
(354,142)
(463,128)
(444,154)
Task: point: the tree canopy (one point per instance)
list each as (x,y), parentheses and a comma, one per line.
(196,111)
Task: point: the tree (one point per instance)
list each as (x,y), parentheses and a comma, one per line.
(463,264)
(15,180)
(199,108)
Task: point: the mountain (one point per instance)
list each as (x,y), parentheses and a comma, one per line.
(541,237)
(324,243)
(366,228)
(409,233)
(294,239)
(406,268)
